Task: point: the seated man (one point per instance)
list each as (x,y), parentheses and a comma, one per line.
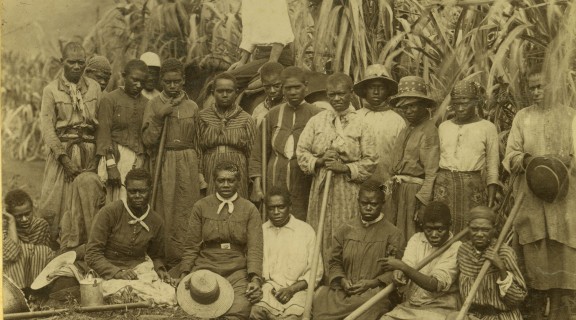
(288,252)
(26,239)
(127,243)
(432,292)
(503,288)
(225,237)
(355,275)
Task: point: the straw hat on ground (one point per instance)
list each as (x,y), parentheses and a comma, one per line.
(373,72)
(42,279)
(412,87)
(205,294)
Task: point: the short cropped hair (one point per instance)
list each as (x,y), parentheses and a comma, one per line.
(294,72)
(340,78)
(138,174)
(271,68)
(372,185)
(279,191)
(225,76)
(171,65)
(437,211)
(226,166)
(72,47)
(135,64)
(16,198)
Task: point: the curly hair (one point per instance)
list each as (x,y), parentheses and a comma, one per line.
(437,211)
(138,174)
(294,72)
(171,65)
(226,166)
(372,185)
(16,198)
(225,76)
(279,191)
(135,64)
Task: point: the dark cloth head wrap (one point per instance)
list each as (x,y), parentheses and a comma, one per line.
(99,63)
(482,212)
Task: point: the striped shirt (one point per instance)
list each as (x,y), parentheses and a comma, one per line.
(489,303)
(38,234)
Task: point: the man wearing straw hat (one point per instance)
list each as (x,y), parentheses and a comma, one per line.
(375,89)
(468,145)
(416,156)
(546,223)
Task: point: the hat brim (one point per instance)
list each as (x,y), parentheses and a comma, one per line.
(394,100)
(547,178)
(360,87)
(42,279)
(212,310)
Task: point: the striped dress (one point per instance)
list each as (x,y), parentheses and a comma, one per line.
(225,137)
(488,304)
(25,259)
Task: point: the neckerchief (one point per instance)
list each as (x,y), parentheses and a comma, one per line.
(77,99)
(136,219)
(369,223)
(341,120)
(228,202)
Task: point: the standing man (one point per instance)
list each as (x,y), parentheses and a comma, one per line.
(68,124)
(336,140)
(545,228)
(284,124)
(152,83)
(270,76)
(225,133)
(119,135)
(416,156)
(288,254)
(26,240)
(468,146)
(375,89)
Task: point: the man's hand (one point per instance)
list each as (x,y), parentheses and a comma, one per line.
(257,193)
(165,277)
(337,167)
(126,275)
(166,109)
(346,284)
(492,189)
(9,218)
(254,291)
(363,285)
(284,295)
(391,264)
(113,176)
(71,170)
(494,257)
(399,278)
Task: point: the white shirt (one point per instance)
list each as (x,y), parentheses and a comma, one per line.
(265,22)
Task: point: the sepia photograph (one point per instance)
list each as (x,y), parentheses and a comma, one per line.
(288,159)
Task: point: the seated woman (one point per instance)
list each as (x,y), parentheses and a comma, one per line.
(503,288)
(354,274)
(432,292)
(225,237)
(126,244)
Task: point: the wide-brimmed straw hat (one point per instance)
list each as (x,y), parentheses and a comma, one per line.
(373,72)
(42,279)
(547,178)
(205,294)
(412,87)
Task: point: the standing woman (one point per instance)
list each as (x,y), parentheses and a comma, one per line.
(468,146)
(181,179)
(226,133)
(119,138)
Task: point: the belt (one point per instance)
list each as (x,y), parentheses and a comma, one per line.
(223,149)
(178,147)
(484,310)
(458,171)
(222,245)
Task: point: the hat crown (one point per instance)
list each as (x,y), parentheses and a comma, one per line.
(412,84)
(203,287)
(376,70)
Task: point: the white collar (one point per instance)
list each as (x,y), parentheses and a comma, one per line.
(229,202)
(369,223)
(136,219)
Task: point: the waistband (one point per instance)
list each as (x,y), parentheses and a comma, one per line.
(178,147)
(484,310)
(460,172)
(222,245)
(223,149)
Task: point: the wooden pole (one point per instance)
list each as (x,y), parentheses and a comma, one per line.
(317,249)
(507,226)
(389,288)
(158,167)
(264,126)
(48,313)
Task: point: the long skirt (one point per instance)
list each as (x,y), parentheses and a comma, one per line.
(549,265)
(461,191)
(128,160)
(178,190)
(211,158)
(335,304)
(55,198)
(32,260)
(403,208)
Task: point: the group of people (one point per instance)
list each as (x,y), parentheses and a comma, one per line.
(143,185)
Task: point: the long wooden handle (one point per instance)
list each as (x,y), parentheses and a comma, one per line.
(389,288)
(48,313)
(317,249)
(264,165)
(158,167)
(507,226)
